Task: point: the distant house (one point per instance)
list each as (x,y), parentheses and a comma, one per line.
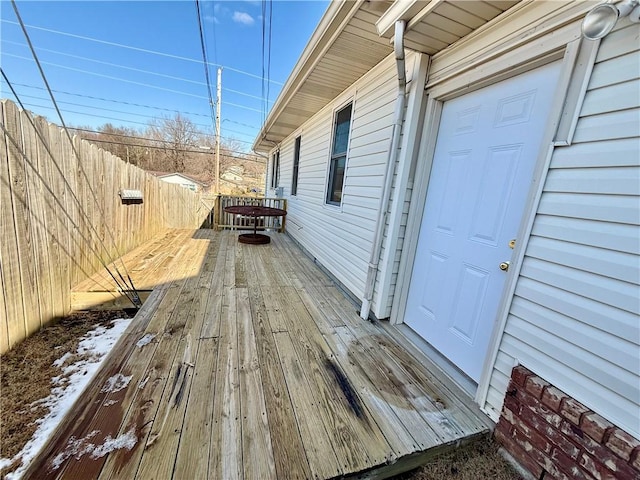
(183,180)
(470,171)
(231,176)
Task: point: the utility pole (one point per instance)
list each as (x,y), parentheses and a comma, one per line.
(218,101)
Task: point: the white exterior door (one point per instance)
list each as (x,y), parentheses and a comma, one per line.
(487,146)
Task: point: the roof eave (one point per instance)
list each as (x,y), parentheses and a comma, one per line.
(323,34)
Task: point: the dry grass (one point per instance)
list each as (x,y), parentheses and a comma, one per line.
(26,372)
(476,461)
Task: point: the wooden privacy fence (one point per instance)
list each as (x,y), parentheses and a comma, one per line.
(240,222)
(62,219)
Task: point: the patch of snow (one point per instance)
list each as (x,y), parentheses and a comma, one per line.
(126,440)
(146,340)
(67,388)
(77,448)
(143,382)
(108,403)
(116,383)
(61,361)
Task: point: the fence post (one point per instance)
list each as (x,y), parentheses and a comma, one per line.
(284,217)
(216,212)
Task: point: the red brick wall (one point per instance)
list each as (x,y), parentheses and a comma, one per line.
(554,436)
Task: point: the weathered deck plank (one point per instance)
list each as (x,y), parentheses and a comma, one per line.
(225,458)
(257,367)
(257,451)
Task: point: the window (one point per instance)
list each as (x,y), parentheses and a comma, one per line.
(341,130)
(296,165)
(275,169)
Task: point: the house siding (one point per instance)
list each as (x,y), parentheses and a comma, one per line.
(574,317)
(340,238)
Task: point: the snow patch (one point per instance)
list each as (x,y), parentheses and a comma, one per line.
(61,361)
(92,350)
(127,441)
(146,340)
(108,403)
(143,382)
(77,448)
(116,383)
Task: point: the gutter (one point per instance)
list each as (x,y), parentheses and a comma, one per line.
(374,260)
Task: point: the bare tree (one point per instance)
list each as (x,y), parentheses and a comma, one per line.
(179,133)
(123,142)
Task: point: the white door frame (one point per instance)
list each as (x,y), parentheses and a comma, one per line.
(493,72)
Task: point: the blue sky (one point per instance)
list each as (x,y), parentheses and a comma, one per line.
(104,82)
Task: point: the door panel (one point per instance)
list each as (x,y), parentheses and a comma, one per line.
(485,155)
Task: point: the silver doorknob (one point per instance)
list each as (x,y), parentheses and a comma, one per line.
(504,266)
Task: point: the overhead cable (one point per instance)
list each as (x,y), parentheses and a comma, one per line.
(122,102)
(142,145)
(203,48)
(133,82)
(144,50)
(136,137)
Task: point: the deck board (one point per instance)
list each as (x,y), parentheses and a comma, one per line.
(257,366)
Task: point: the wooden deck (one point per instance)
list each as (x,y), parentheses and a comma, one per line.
(148,266)
(252,364)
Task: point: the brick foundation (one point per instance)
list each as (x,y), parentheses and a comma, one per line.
(556,437)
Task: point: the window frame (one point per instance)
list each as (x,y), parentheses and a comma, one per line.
(275,169)
(296,165)
(334,158)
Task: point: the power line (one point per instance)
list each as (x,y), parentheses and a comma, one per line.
(262,86)
(102,75)
(125,67)
(206,66)
(141,145)
(114,101)
(127,103)
(66,110)
(266,100)
(137,137)
(147,85)
(182,79)
(130,121)
(144,50)
(239,123)
(93,107)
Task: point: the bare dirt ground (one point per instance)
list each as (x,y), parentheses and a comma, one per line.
(27,370)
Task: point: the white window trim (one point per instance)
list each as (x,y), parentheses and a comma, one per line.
(338,106)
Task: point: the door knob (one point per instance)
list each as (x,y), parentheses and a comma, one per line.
(504,266)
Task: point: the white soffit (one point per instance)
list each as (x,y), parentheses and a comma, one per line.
(352,38)
(433,25)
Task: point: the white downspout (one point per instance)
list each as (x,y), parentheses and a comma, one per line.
(398,44)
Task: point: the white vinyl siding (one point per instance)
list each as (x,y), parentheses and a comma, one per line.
(340,238)
(574,319)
